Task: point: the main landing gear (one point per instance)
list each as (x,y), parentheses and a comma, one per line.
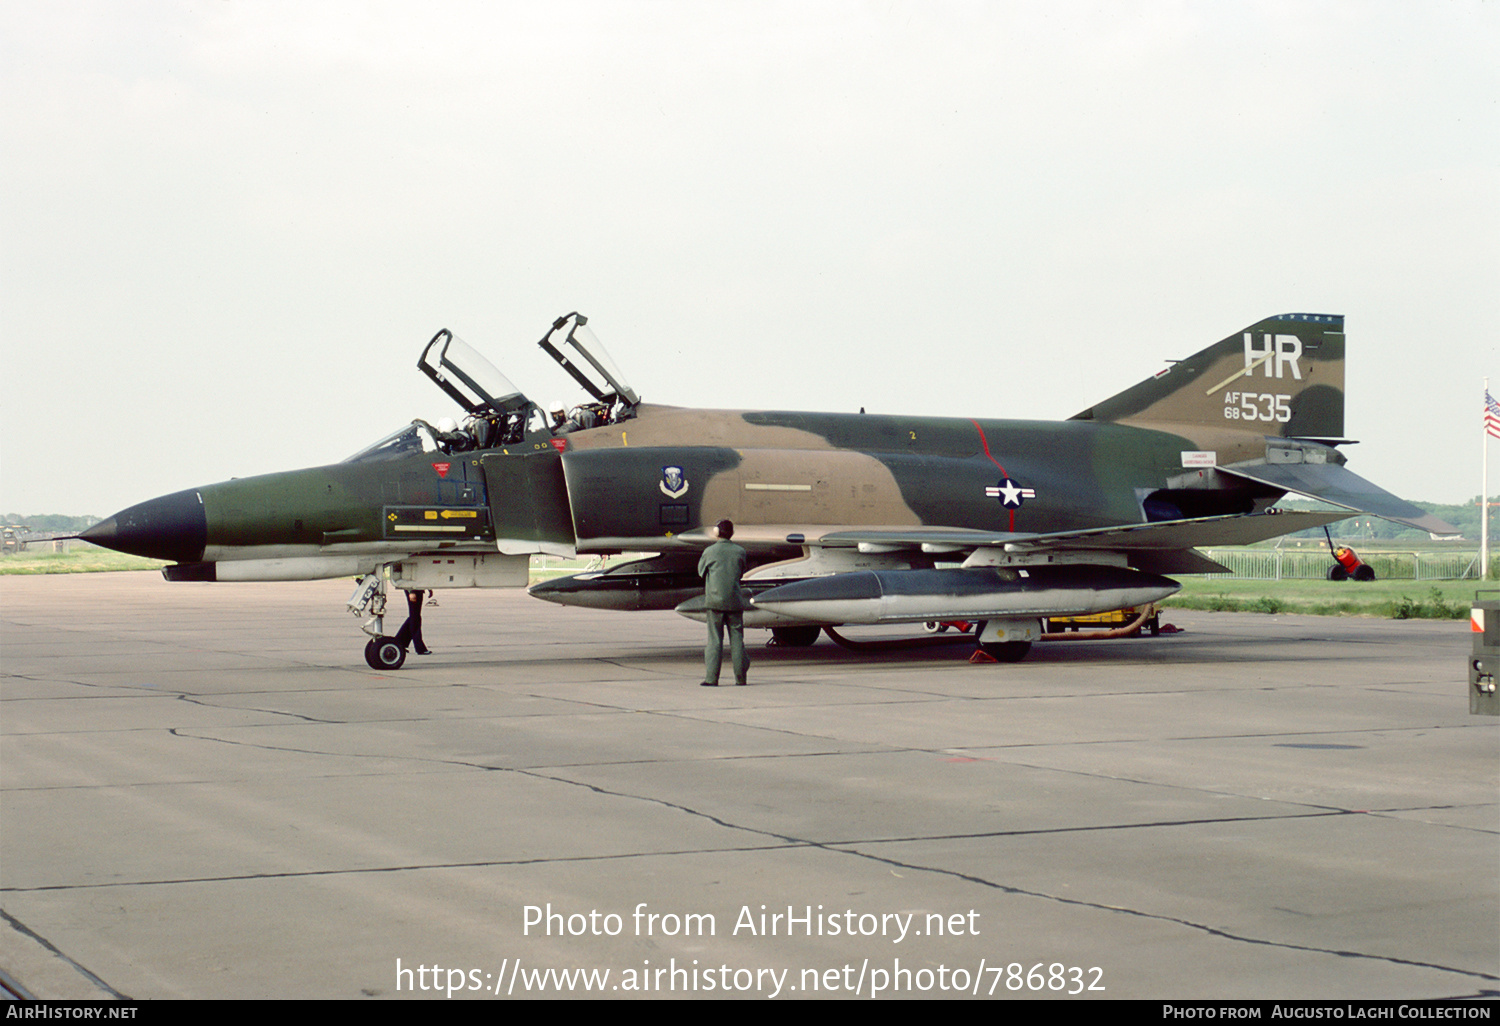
(798,636)
(1005,651)
(1006,641)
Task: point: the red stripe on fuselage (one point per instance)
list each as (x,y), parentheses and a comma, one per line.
(1003,475)
(986,443)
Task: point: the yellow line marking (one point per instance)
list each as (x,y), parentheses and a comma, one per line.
(1248,368)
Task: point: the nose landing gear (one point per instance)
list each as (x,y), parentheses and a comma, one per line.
(368,602)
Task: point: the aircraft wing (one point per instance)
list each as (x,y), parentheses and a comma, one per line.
(1241,529)
(781,536)
(1332,483)
(1161,547)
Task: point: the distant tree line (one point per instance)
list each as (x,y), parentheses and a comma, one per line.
(1464,517)
(50,521)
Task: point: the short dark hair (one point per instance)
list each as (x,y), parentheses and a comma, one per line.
(726,529)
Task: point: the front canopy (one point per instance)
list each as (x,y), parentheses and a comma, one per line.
(471,380)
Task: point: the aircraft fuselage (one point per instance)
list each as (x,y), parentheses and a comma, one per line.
(635,486)
(848,518)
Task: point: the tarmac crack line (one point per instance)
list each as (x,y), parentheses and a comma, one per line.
(848,848)
(1328,809)
(27,931)
(200,702)
(845,848)
(1319,810)
(1322,809)
(418,867)
(698,715)
(183,733)
(1025,892)
(148,690)
(1213,931)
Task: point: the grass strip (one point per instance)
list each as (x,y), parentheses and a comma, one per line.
(1397,600)
(82,558)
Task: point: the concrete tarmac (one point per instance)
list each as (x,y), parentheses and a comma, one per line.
(208,794)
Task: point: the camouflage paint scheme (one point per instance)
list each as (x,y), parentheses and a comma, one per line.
(1195,455)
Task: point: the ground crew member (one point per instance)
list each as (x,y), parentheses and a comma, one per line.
(411,631)
(721,567)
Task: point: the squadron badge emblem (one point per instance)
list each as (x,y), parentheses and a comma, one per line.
(673,484)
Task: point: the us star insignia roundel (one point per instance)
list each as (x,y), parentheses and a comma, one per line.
(1010,494)
(674,484)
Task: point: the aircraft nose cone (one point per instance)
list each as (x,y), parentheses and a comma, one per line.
(172,527)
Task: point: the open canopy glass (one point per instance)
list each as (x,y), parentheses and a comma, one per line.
(471,380)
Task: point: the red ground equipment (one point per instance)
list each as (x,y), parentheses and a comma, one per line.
(1346,563)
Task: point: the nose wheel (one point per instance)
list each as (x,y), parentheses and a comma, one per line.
(384,654)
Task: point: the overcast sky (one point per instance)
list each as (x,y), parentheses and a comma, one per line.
(229,228)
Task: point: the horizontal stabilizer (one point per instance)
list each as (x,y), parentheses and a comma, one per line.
(1335,484)
(1245,529)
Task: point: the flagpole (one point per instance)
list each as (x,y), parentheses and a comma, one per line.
(1484,496)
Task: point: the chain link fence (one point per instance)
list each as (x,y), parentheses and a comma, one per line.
(1293,565)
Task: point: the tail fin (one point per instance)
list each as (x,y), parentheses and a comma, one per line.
(1282,376)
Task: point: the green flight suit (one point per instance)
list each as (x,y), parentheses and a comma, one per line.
(722,566)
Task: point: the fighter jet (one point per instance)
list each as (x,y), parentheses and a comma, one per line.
(849,518)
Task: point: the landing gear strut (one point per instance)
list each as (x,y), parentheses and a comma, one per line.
(368,601)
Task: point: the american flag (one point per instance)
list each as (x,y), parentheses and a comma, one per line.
(1491,414)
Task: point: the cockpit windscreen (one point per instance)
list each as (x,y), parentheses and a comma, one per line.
(413,438)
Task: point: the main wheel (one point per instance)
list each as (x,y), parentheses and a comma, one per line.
(1337,573)
(1006,651)
(1364,572)
(796,637)
(384,654)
